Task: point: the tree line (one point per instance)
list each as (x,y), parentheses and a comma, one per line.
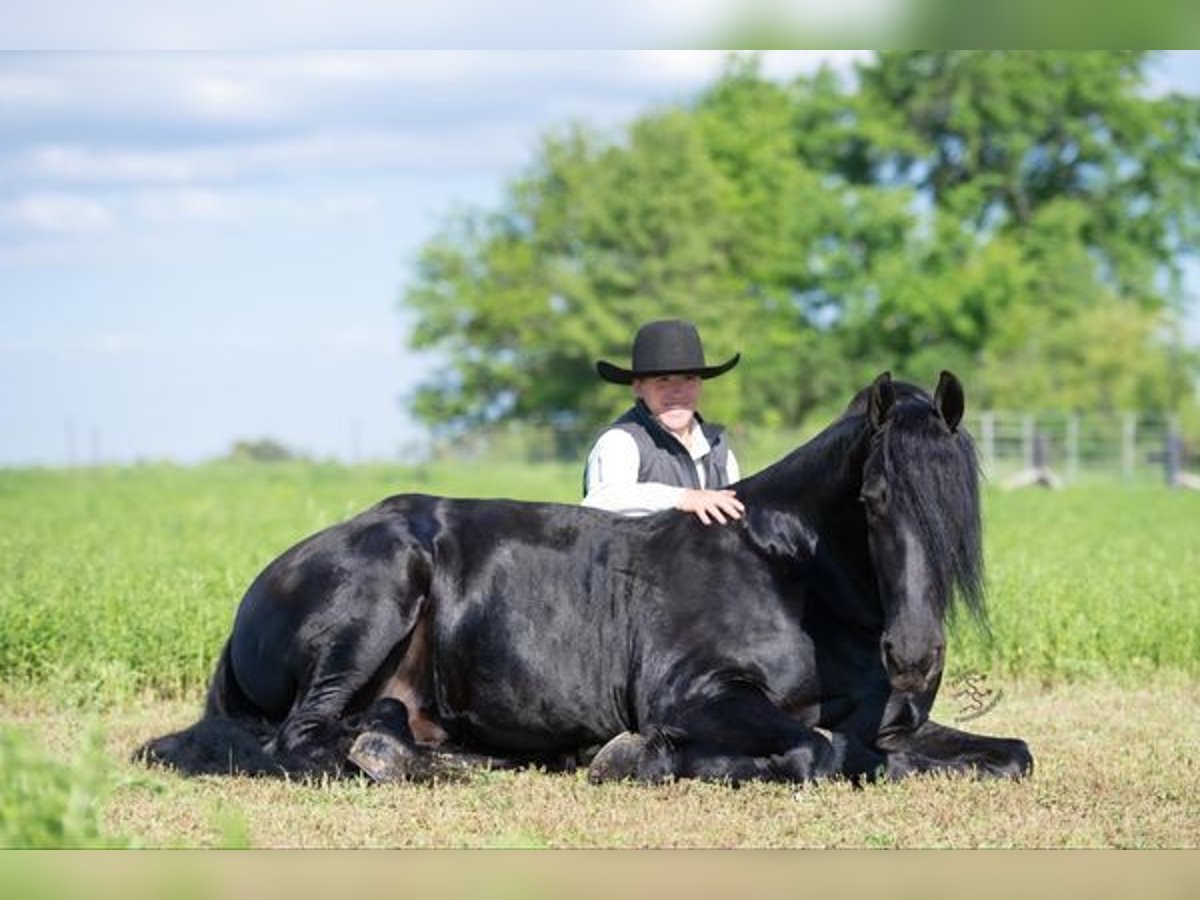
(1021,218)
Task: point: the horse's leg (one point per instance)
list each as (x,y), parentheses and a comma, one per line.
(648,758)
(315,735)
(737,736)
(634,756)
(384,749)
(854,761)
(618,759)
(935,747)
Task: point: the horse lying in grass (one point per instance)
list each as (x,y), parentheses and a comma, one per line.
(803,642)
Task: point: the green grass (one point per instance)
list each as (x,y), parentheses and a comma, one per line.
(1116,766)
(45,803)
(117,588)
(1090,581)
(117,582)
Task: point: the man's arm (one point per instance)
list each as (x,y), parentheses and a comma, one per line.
(611,481)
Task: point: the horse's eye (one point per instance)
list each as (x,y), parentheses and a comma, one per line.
(874,496)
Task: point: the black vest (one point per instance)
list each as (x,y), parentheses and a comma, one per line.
(663,459)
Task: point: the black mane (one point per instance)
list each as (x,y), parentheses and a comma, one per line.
(932,472)
(935,474)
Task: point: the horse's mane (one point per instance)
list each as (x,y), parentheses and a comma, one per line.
(935,475)
(935,478)
(796,475)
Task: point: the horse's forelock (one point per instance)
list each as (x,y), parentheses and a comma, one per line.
(936,474)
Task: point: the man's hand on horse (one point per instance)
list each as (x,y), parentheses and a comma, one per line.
(709,506)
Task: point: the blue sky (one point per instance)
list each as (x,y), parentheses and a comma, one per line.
(202,247)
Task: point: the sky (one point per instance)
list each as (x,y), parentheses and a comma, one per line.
(202,247)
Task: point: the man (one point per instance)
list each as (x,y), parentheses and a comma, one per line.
(661,454)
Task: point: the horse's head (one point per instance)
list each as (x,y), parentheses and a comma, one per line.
(920,495)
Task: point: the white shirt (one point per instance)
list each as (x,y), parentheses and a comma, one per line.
(612,475)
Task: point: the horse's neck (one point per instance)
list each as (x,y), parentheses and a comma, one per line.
(804,513)
(812,485)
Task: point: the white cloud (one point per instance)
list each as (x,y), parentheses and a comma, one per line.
(76,215)
(344,206)
(189,119)
(62,346)
(187,206)
(148,94)
(317,343)
(676,66)
(365,25)
(74,163)
(114,344)
(422,66)
(58,213)
(22,90)
(147,223)
(230,98)
(452,148)
(141,25)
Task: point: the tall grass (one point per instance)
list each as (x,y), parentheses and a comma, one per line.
(45,803)
(1090,581)
(117,582)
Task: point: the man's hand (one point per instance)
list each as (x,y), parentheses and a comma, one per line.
(709,506)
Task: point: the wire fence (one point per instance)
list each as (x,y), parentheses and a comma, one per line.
(1015,448)
(1065,448)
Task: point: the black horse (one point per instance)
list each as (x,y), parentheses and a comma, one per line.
(803,642)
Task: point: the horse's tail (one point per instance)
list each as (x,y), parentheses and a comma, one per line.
(230,739)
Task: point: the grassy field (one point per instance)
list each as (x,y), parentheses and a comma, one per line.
(1117,766)
(118,586)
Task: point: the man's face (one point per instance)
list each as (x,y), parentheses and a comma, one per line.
(672,399)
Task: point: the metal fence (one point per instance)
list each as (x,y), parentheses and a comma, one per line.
(1014,447)
(1067,447)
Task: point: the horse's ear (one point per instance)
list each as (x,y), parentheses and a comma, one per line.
(882,400)
(948,400)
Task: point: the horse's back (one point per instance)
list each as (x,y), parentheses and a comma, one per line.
(532,612)
(514,625)
(514,597)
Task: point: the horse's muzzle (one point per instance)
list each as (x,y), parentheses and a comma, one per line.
(912,675)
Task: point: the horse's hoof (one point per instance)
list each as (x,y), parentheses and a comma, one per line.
(618,759)
(382,757)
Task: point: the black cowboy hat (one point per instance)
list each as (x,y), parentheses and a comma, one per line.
(666,347)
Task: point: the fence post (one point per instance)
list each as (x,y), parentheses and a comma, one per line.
(1027,439)
(1072,447)
(988,427)
(1172,453)
(1128,444)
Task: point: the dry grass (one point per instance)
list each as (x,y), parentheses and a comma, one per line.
(1117,767)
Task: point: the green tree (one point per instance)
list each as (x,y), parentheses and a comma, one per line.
(594,235)
(264,450)
(1018,217)
(1058,196)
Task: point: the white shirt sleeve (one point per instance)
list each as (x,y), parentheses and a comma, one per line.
(612,479)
